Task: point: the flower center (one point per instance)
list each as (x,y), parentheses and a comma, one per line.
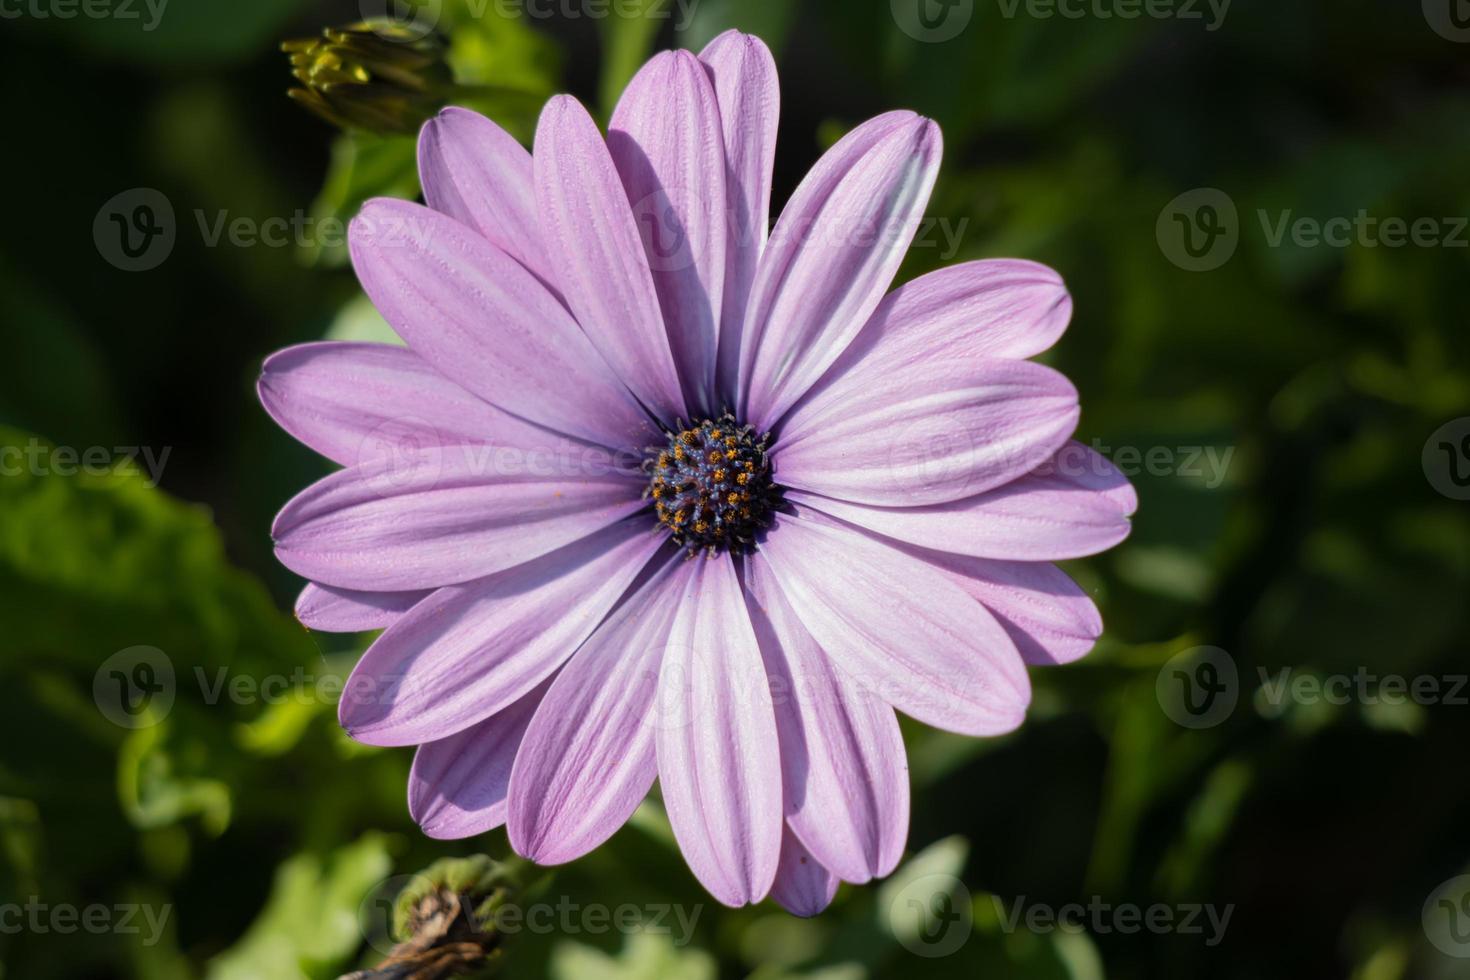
(711,485)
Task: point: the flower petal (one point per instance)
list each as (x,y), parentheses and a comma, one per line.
(749,96)
(906,440)
(899,626)
(469,651)
(331,610)
(601,265)
(832,256)
(802,887)
(441,517)
(355,403)
(1047,614)
(1075,504)
(484,322)
(458,785)
(842,757)
(667,143)
(476,172)
(588,758)
(993,308)
(718,756)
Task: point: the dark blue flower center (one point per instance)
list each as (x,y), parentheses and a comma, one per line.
(711,485)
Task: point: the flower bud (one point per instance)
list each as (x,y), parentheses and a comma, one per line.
(377,76)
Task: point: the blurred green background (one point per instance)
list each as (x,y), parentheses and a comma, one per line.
(1294,516)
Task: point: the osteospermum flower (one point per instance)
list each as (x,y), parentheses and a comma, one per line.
(652,495)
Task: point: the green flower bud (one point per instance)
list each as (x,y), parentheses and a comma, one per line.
(377,76)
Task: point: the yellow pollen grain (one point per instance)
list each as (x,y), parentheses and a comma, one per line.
(719,476)
(742,478)
(716,456)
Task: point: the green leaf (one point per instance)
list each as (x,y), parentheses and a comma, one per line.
(309,926)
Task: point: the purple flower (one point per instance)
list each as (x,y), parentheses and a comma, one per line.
(611,369)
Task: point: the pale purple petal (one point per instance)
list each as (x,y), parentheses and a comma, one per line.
(718,757)
(1074,505)
(469,651)
(331,610)
(446,516)
(992,308)
(749,96)
(832,256)
(905,441)
(666,141)
(802,887)
(458,785)
(476,172)
(486,323)
(899,627)
(1050,618)
(357,403)
(588,758)
(601,265)
(843,764)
